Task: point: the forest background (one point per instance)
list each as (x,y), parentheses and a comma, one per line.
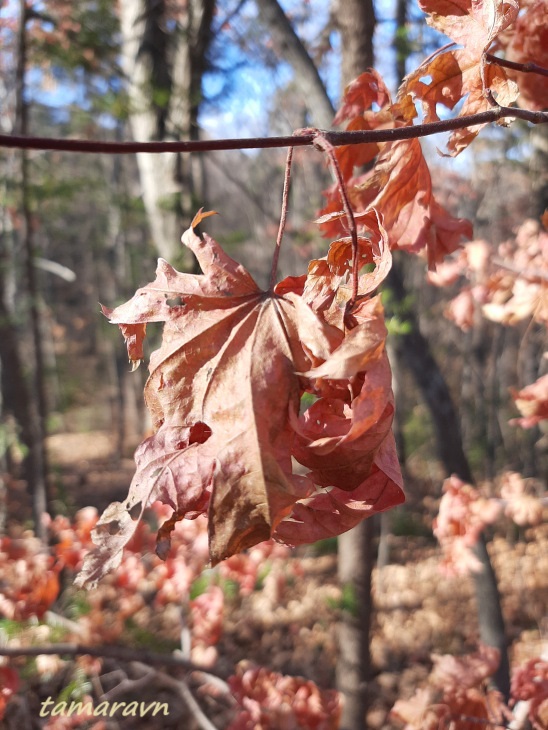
(81,229)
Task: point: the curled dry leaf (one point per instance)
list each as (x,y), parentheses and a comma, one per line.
(451,75)
(521,507)
(272,701)
(399,189)
(224,395)
(529,44)
(455,74)
(469,23)
(532,402)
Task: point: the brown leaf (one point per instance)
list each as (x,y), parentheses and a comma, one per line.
(333,511)
(220,392)
(470,23)
(532,402)
(404,197)
(451,76)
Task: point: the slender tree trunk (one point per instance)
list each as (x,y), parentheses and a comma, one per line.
(165,71)
(356,24)
(356,21)
(413,350)
(356,558)
(292,50)
(37,406)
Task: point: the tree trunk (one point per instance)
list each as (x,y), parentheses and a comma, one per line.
(413,350)
(292,50)
(356,24)
(34,414)
(356,21)
(355,566)
(165,71)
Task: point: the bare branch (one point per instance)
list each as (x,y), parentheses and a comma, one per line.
(335,138)
(122,653)
(532,68)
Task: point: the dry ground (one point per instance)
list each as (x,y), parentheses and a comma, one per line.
(292,629)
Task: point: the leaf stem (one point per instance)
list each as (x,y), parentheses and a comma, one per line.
(283,217)
(523,67)
(210,145)
(322,143)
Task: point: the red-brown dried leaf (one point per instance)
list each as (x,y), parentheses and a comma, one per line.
(403,196)
(473,24)
(220,392)
(453,76)
(332,511)
(532,402)
(529,44)
(399,188)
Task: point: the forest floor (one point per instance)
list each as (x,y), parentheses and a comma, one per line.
(291,625)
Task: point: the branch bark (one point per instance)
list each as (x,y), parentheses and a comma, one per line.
(305,140)
(122,653)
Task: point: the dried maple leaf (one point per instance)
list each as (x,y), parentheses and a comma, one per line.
(529,44)
(224,393)
(532,402)
(399,188)
(449,77)
(474,24)
(220,392)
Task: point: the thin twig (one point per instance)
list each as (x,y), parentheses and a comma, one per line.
(283,218)
(537,276)
(322,143)
(335,138)
(122,653)
(531,68)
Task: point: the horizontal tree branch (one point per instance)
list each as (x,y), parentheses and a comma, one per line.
(122,653)
(298,140)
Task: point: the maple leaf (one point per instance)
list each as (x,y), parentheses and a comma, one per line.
(221,391)
(399,188)
(473,24)
(529,44)
(449,77)
(224,393)
(532,402)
